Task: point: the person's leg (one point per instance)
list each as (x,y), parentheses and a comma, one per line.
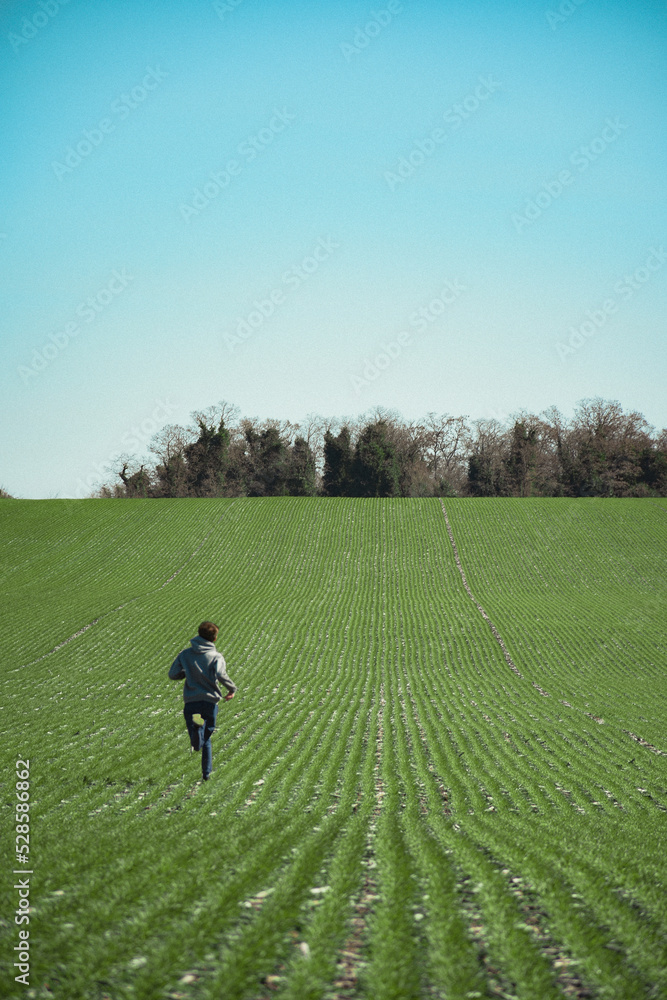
(210,714)
(195,731)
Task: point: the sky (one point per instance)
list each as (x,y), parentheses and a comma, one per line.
(454,206)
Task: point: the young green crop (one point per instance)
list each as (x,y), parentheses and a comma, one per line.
(420,790)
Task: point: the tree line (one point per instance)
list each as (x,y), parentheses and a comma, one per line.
(602,451)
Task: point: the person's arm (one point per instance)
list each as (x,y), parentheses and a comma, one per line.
(223,678)
(176,671)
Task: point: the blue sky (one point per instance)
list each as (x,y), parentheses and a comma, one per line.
(320,208)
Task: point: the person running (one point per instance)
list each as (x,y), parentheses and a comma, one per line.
(204,669)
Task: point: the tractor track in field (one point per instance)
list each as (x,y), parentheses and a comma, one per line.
(105,614)
(506,654)
(351,957)
(496,634)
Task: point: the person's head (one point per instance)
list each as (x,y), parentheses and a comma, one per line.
(208,631)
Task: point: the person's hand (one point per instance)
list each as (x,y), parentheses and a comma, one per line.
(228,697)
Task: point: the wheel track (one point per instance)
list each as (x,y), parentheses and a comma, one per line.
(494,630)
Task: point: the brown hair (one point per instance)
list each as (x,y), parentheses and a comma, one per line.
(208,631)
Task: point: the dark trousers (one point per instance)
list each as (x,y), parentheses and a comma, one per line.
(200,736)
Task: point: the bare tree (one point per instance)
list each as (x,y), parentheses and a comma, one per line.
(312,429)
(169,445)
(169,442)
(133,479)
(222,412)
(532,456)
(287,431)
(602,454)
(487,453)
(445,445)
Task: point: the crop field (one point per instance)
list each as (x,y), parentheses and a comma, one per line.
(444,774)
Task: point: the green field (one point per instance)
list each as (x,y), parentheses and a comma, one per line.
(420,790)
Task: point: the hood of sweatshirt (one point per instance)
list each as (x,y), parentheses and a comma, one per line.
(202,645)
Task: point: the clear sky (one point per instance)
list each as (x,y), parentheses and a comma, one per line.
(455,206)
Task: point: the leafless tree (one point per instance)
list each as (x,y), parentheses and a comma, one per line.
(445,440)
(602,454)
(532,456)
(486,449)
(169,442)
(132,479)
(169,445)
(287,431)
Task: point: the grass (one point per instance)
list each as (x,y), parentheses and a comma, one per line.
(395,811)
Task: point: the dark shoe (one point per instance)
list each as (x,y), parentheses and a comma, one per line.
(205,777)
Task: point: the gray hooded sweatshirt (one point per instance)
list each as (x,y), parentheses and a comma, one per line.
(204,670)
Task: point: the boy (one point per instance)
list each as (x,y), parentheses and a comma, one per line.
(204,670)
